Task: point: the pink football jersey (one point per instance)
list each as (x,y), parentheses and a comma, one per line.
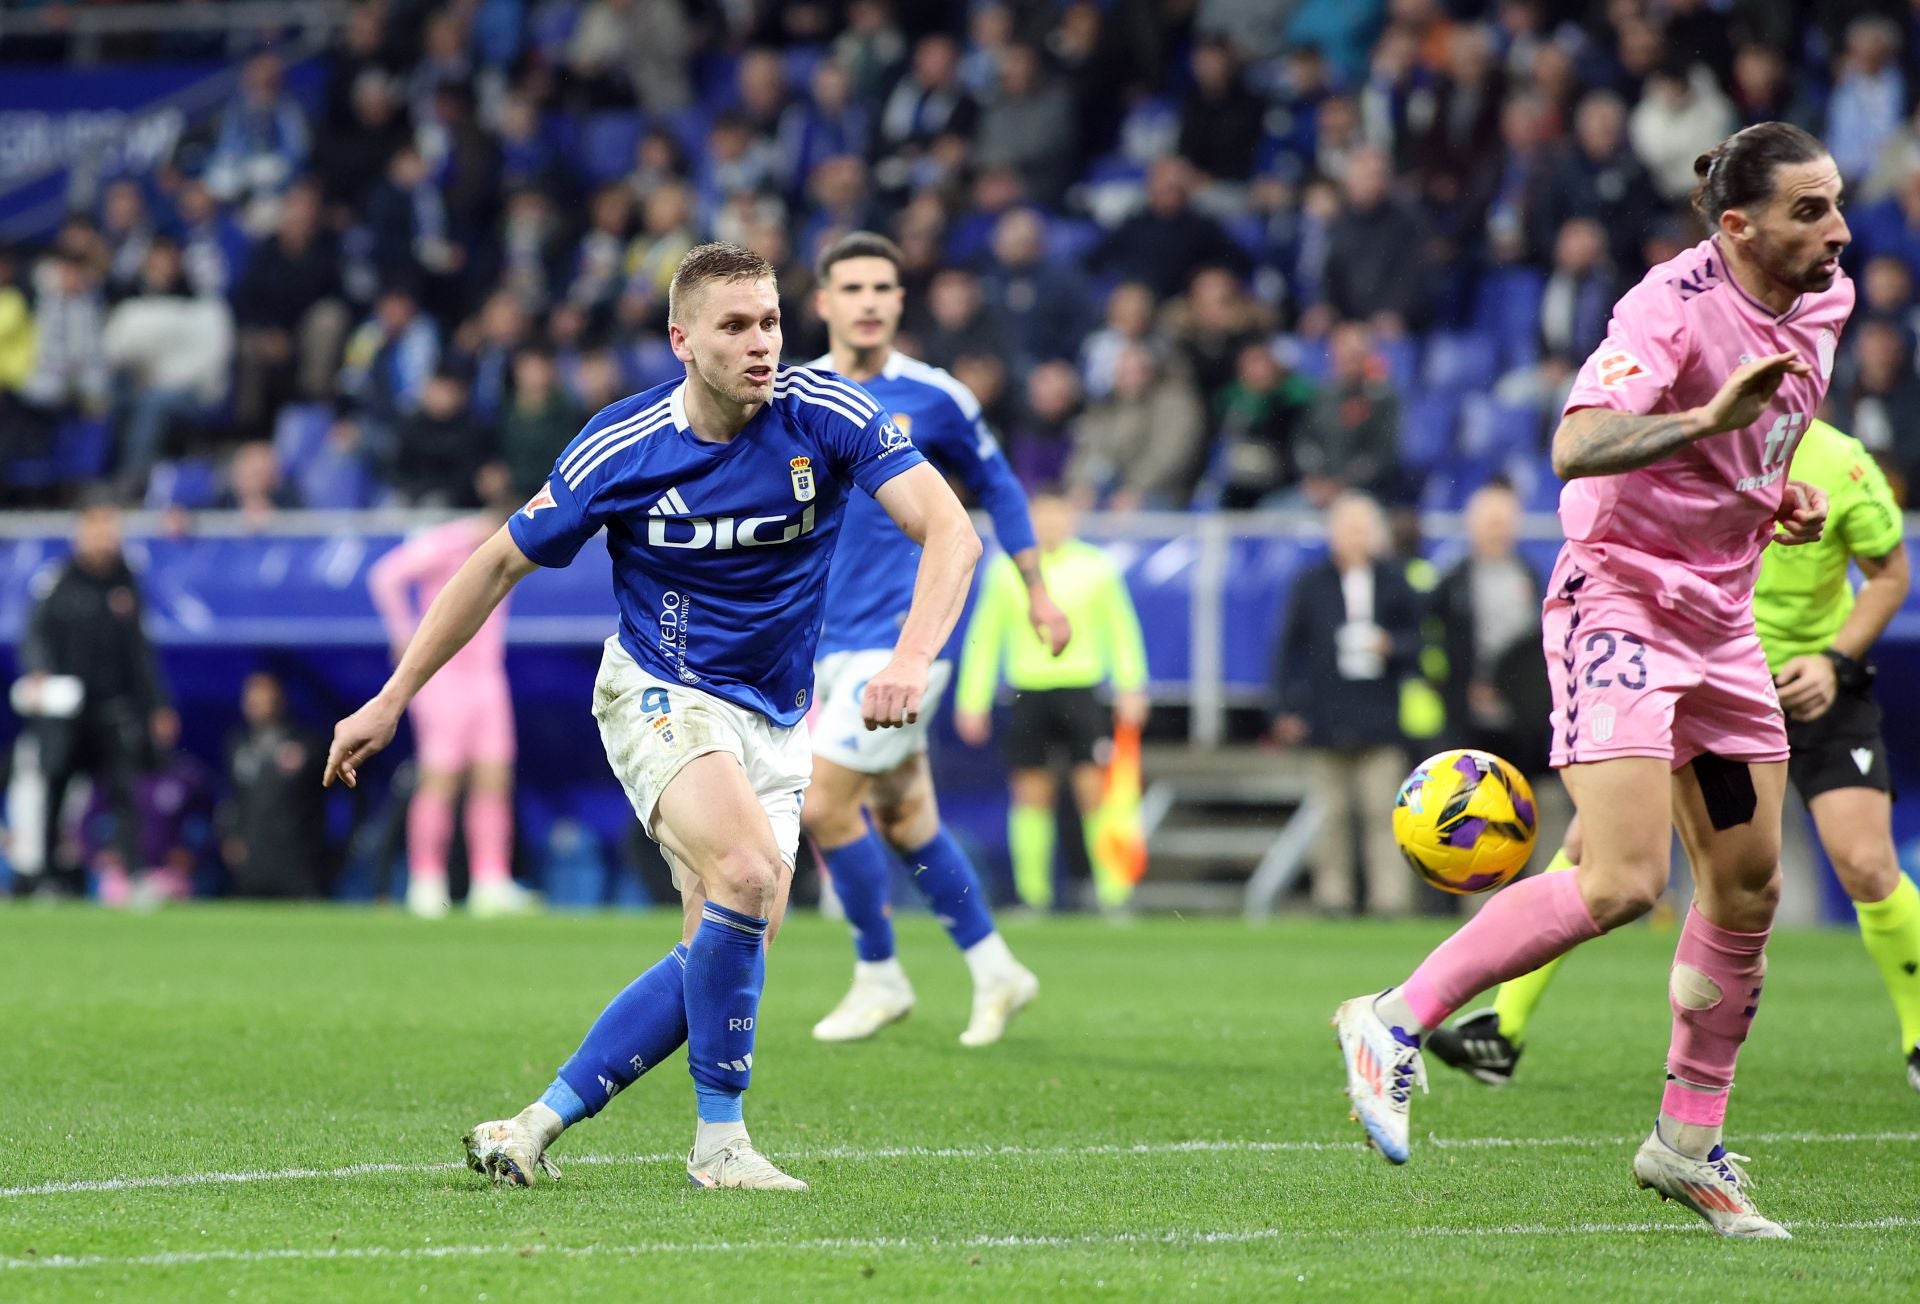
(422,565)
(1688,530)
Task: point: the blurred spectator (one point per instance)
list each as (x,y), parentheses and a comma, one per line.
(173,827)
(213,248)
(16,352)
(1891,227)
(760,86)
(539,422)
(1220,123)
(1376,257)
(1129,321)
(352,159)
(870,48)
(406,218)
(1209,326)
(842,200)
(463,161)
(1488,605)
(273,822)
(1351,436)
(1028,125)
(928,101)
(256,486)
(533,250)
(387,361)
(1885,288)
(595,381)
(1140,446)
(262,145)
(527,155)
(1094,61)
(443,61)
(990,34)
(599,268)
(1511,184)
(734,159)
(127,229)
(632,52)
(827,124)
(1763,89)
(1869,96)
(1681,115)
(69,367)
(1039,307)
(1257,416)
(1597,176)
(1163,245)
(1464,133)
(362,45)
(92,684)
(1575,308)
(1341,29)
(1338,132)
(291,312)
(1350,634)
(440,447)
(658,160)
(1042,436)
(1879,403)
(171,355)
(484,350)
(1385,104)
(958,320)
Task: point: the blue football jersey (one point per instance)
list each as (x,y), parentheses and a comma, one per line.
(720,551)
(871,584)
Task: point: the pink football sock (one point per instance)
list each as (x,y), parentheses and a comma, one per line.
(1521,929)
(1714,991)
(429,833)
(489,836)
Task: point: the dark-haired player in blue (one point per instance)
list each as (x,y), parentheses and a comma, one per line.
(869,590)
(721,496)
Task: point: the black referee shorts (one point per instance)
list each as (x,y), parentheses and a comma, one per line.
(1050,722)
(1842,749)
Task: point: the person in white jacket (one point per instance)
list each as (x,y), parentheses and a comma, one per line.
(171,355)
(1681,115)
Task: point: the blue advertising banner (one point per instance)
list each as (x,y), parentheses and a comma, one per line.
(64,132)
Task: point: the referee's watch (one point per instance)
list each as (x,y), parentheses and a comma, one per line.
(1849,676)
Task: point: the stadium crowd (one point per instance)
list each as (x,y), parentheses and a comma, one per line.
(1199,253)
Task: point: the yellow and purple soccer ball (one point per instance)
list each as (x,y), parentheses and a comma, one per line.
(1465,820)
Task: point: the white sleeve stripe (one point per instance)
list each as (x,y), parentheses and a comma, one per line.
(928,374)
(605,434)
(821,402)
(821,383)
(607,450)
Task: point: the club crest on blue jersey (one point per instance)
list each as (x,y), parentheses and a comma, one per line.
(803,489)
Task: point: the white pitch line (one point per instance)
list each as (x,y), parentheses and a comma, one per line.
(867,1154)
(858,1244)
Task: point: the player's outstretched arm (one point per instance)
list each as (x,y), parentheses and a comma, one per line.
(1601,441)
(925,509)
(479,586)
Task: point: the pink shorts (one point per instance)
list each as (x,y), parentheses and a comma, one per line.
(461,721)
(1632,679)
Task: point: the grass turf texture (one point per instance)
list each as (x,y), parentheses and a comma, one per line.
(226,1039)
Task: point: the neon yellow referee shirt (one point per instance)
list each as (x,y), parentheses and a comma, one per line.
(1803,596)
(1106,641)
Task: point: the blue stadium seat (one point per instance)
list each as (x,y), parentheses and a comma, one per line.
(82,450)
(1427,423)
(190,482)
(1071,239)
(299,433)
(800,61)
(607,142)
(333,480)
(1402,357)
(1507,307)
(1461,362)
(689,126)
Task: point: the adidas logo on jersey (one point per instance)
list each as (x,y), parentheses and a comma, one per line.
(671,526)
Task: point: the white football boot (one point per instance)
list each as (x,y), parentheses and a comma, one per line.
(1382,1071)
(427,897)
(995,1002)
(1714,1187)
(511,1151)
(880,995)
(499,900)
(733,1163)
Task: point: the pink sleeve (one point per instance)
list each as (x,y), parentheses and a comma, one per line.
(1636,366)
(391,581)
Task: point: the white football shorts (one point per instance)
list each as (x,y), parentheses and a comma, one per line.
(840,733)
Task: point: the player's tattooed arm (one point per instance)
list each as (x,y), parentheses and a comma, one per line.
(1600,441)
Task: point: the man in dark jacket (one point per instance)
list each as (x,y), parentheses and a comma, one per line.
(291,312)
(85,633)
(273,827)
(1489,606)
(1351,634)
(1377,264)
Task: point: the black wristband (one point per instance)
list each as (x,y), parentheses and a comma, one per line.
(1849,675)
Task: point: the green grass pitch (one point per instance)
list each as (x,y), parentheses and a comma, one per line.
(232,1102)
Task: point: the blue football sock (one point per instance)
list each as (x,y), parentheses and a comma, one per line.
(947,879)
(639,1028)
(862,873)
(726,968)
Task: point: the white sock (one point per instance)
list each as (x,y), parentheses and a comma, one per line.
(1394,1011)
(709,1137)
(1694,1140)
(887,972)
(988,959)
(542,1118)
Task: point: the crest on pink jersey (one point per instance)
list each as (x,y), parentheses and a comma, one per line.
(1603,723)
(1616,367)
(1824,346)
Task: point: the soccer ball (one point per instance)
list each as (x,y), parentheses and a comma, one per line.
(1465,820)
